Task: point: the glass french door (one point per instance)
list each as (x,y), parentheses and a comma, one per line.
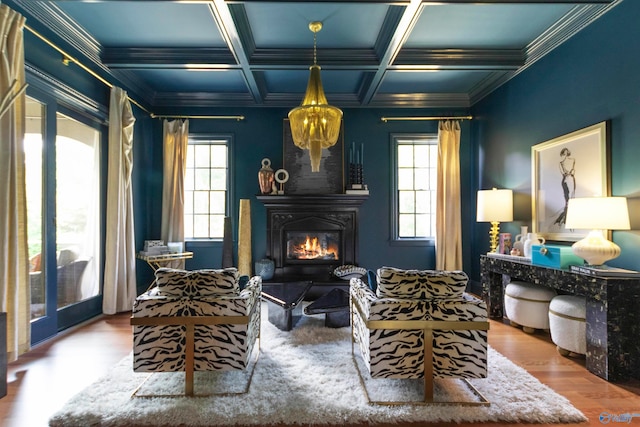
(62,173)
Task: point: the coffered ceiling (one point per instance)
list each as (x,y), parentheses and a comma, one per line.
(445,54)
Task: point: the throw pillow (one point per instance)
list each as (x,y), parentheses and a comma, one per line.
(372,280)
(420,284)
(197,283)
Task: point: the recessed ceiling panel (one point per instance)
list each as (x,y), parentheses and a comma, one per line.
(483,26)
(442,81)
(295,81)
(228,81)
(286,25)
(146,24)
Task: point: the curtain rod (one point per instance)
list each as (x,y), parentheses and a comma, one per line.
(388,119)
(66,58)
(238,118)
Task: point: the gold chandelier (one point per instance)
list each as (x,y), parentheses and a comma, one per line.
(315,124)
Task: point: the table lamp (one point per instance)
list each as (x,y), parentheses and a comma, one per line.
(597,214)
(494,206)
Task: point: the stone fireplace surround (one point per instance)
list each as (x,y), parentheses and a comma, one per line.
(336,214)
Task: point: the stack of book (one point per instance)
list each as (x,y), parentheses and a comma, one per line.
(603,271)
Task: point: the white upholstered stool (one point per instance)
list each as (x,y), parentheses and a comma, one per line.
(527,305)
(567,322)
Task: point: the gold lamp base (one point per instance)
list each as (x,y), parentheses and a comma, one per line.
(493,235)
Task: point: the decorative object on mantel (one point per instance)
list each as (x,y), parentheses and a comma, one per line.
(597,214)
(494,206)
(266,176)
(348,271)
(281,176)
(315,124)
(356,171)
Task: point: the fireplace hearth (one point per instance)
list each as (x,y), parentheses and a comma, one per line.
(309,236)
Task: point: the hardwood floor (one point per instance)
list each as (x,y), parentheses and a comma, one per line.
(41,381)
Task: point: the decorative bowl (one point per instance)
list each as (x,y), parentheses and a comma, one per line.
(347,272)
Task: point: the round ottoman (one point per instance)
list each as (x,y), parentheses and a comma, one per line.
(527,305)
(567,322)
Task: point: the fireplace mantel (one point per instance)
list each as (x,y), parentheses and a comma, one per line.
(336,213)
(332,200)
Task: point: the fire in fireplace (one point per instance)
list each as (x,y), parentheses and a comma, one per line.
(313,246)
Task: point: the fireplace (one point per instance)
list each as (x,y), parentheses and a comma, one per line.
(309,236)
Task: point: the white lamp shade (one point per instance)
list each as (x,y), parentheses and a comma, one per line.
(598,213)
(495,205)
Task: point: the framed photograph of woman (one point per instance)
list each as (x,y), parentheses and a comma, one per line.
(572,165)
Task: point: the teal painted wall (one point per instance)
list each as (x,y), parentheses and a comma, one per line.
(590,78)
(260,136)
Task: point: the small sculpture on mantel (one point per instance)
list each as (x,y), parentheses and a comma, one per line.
(281,177)
(356,171)
(266,177)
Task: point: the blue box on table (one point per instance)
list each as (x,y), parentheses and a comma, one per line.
(554,256)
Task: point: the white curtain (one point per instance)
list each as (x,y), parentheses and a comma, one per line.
(14,258)
(120,255)
(176,137)
(448,216)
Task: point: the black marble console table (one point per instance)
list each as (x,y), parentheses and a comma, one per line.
(613,310)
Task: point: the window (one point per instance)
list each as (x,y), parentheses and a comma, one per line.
(206,187)
(414,189)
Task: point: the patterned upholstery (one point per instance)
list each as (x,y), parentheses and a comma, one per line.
(223,340)
(399,353)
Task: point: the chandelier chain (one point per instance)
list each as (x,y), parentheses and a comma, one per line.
(315,37)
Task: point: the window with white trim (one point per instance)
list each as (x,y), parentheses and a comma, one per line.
(206,187)
(415,166)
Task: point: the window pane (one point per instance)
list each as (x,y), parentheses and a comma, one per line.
(33,175)
(423,226)
(405,179)
(77,210)
(218,156)
(422,179)
(407,202)
(217,204)
(200,226)
(201,202)
(405,156)
(406,225)
(188,202)
(423,199)
(189,180)
(216,223)
(218,179)
(188,225)
(202,179)
(421,158)
(202,156)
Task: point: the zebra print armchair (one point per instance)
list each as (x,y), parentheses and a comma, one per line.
(411,324)
(196,321)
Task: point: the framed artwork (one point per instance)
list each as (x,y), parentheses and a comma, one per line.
(328,180)
(572,165)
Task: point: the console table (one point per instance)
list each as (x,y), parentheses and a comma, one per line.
(612,318)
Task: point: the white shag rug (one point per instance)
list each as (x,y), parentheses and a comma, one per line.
(306,377)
